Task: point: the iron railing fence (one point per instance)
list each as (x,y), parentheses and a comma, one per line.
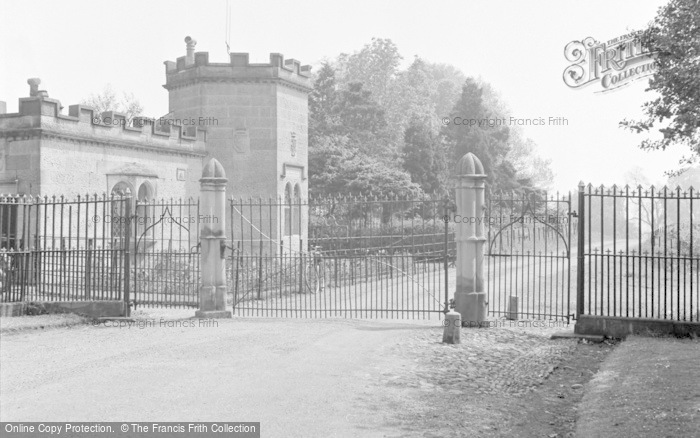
(363,257)
(639,252)
(59,249)
(528,255)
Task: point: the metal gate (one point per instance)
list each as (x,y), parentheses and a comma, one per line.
(529,270)
(165,263)
(363,258)
(638,252)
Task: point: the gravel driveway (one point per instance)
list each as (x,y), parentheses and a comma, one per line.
(297,377)
(306,378)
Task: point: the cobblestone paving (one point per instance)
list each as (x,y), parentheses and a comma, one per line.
(497,360)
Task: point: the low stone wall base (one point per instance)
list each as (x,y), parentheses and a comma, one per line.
(619,327)
(206,314)
(13,309)
(95,309)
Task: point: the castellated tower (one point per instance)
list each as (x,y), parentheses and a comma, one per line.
(256,118)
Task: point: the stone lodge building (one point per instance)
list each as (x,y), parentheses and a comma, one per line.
(253,118)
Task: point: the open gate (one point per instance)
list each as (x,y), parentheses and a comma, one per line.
(529,270)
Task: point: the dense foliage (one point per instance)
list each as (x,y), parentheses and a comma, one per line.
(377,129)
(674,38)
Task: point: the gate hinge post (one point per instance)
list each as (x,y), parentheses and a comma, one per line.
(212,289)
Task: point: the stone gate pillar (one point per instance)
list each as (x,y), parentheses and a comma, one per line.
(212,235)
(470,296)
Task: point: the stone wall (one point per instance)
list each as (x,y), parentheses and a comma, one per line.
(243,137)
(50,153)
(256,118)
(292,152)
(19,165)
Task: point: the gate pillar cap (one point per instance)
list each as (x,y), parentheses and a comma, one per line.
(470,165)
(213,172)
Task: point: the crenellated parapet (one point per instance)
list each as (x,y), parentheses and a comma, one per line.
(195,68)
(41,116)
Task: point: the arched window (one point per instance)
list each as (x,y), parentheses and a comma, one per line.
(296,210)
(145,192)
(122,188)
(119,221)
(8,222)
(144,211)
(288,210)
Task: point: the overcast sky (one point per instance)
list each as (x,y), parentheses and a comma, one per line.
(76,47)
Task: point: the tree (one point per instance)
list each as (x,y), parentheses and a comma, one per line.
(447,82)
(322,100)
(531,170)
(370,120)
(689,178)
(363,121)
(467,138)
(358,111)
(424,90)
(674,38)
(528,163)
(367,176)
(336,168)
(424,158)
(345,146)
(410,97)
(328,157)
(375,65)
(107,100)
(489,143)
(645,212)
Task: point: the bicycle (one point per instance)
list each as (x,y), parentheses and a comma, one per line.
(315,273)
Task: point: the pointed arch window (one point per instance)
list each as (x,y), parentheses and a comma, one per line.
(296,210)
(143,209)
(288,210)
(119,220)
